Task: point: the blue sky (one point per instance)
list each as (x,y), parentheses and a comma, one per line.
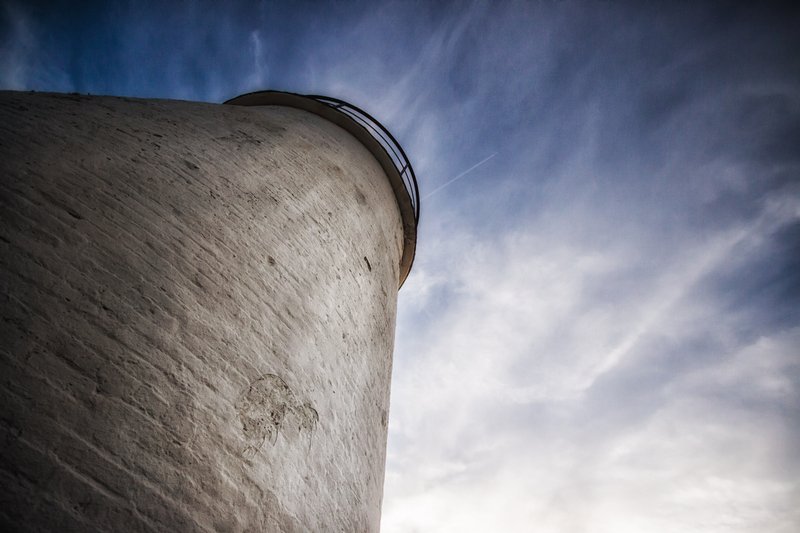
(601,332)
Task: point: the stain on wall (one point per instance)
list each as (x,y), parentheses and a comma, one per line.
(267,406)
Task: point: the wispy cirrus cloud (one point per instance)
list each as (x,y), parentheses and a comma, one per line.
(567,374)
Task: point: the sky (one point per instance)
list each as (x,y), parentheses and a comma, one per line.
(601,332)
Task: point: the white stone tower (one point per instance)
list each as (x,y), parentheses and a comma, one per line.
(198,309)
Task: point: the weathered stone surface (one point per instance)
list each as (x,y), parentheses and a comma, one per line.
(197,318)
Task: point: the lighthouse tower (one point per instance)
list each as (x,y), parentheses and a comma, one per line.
(198,310)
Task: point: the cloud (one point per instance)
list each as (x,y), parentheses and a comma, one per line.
(530,402)
(18,48)
(259,75)
(571,349)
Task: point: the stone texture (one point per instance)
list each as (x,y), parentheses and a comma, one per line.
(198,307)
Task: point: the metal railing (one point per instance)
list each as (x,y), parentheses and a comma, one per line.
(385,139)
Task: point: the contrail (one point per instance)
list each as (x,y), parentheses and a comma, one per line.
(470,169)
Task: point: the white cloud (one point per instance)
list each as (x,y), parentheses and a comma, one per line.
(17,50)
(257,80)
(494,423)
(547,383)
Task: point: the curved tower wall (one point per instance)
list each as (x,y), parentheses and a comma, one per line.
(198,308)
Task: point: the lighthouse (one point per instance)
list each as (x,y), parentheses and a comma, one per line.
(198,312)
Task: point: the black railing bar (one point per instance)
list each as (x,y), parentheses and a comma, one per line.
(363,120)
(386,142)
(368,121)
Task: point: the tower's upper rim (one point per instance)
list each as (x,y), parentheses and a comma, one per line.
(376,138)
